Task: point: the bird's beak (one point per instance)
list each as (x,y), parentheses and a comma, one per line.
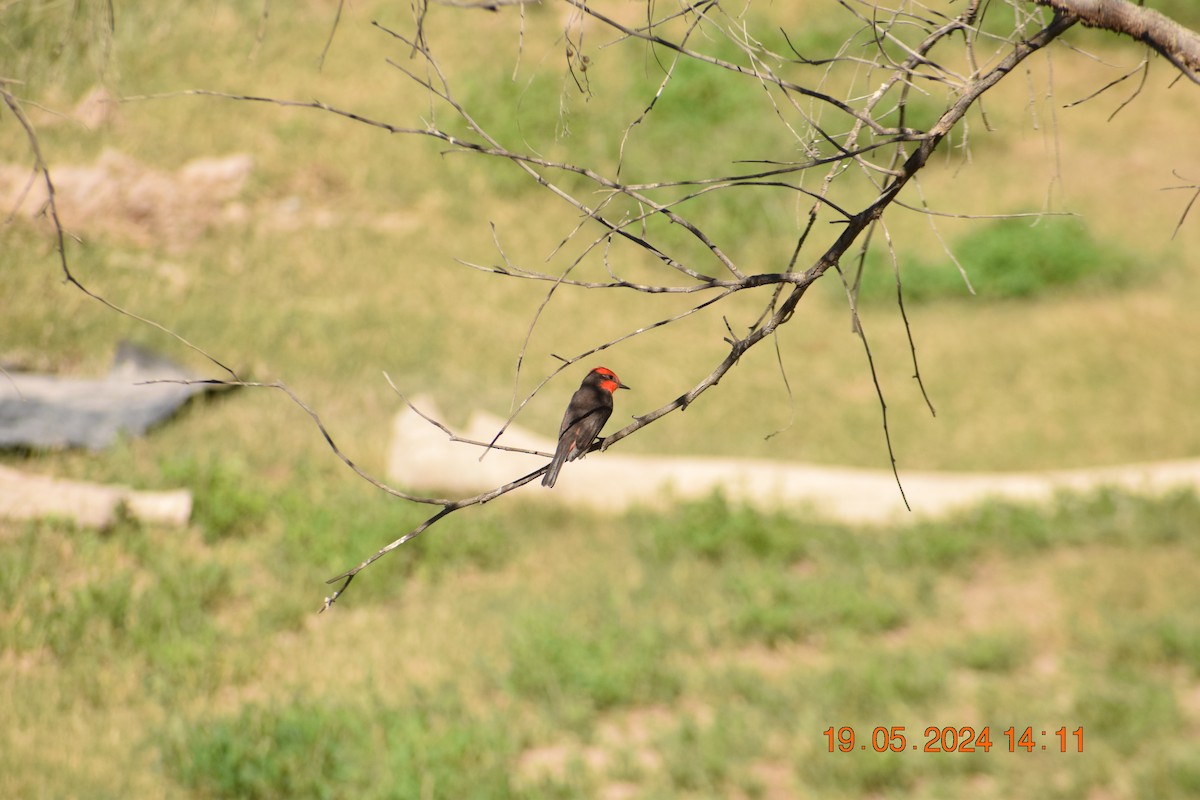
(622,386)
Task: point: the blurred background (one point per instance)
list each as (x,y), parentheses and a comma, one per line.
(531,649)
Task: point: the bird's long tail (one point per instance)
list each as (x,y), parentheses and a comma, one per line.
(552,471)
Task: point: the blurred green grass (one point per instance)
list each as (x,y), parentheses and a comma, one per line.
(616,662)
(531,651)
(1011,259)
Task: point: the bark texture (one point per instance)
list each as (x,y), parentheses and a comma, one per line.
(1176,43)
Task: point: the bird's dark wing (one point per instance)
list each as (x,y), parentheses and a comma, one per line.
(585,431)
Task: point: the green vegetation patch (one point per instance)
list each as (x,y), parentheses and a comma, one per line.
(717,530)
(772,607)
(1007,259)
(600,658)
(80,594)
(719,664)
(305,748)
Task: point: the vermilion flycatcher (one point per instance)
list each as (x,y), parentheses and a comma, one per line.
(589,409)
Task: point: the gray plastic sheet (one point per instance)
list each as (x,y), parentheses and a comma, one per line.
(53,411)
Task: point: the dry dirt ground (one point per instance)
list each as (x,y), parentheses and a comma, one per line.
(421,457)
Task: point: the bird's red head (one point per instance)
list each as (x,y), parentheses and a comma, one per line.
(608,379)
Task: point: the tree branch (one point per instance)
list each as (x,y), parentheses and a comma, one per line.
(781,313)
(905,62)
(41,170)
(1177,44)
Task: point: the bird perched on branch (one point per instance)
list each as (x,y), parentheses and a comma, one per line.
(589,409)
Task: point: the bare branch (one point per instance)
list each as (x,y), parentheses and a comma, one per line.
(1188,208)
(912,345)
(900,56)
(1177,44)
(449,508)
(316,419)
(862,336)
(1142,67)
(862,117)
(337,18)
(451,435)
(261,35)
(43,170)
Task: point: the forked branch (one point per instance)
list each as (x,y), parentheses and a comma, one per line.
(858,133)
(1174,42)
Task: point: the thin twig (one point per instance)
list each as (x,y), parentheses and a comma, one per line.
(783,313)
(261,34)
(43,169)
(316,420)
(337,18)
(787,386)
(454,437)
(912,345)
(912,151)
(862,336)
(1188,208)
